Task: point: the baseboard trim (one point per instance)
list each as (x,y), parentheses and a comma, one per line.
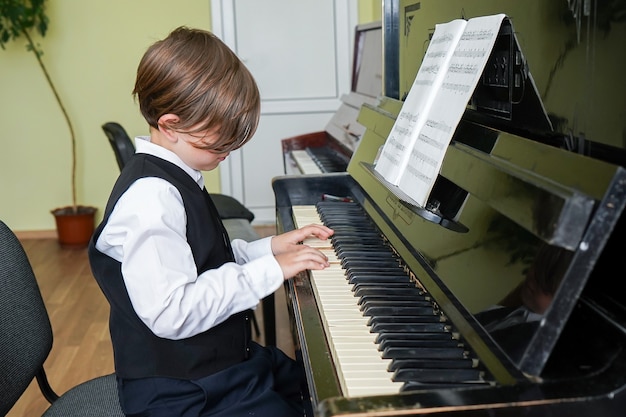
(37,234)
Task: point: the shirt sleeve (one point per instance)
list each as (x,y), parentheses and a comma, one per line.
(146,233)
(247,251)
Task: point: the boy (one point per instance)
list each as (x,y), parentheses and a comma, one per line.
(514,320)
(180,294)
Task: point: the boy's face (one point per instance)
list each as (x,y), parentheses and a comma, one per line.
(533,297)
(185,145)
(197,158)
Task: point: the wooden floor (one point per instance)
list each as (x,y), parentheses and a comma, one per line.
(79,315)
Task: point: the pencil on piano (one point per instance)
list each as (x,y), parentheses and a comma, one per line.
(330,197)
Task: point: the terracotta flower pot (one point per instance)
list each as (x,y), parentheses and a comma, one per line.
(74,227)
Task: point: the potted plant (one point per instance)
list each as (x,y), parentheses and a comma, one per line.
(75,223)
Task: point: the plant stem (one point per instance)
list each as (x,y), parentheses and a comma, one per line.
(67,118)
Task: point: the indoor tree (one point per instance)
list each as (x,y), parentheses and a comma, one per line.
(20,18)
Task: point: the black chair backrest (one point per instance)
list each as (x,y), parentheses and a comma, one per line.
(120,142)
(25,329)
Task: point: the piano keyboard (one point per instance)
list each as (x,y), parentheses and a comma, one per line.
(384,334)
(305,163)
(318,160)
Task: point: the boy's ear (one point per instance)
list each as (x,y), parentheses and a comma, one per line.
(164,122)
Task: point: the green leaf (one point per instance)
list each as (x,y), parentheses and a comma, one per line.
(19,16)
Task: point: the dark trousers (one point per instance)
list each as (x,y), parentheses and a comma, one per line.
(268,384)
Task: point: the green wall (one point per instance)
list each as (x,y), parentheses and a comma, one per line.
(91,50)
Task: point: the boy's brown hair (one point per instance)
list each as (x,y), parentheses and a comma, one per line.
(194,75)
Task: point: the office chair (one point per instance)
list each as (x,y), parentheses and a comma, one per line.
(26,342)
(123,147)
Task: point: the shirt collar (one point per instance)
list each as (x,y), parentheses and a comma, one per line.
(144,145)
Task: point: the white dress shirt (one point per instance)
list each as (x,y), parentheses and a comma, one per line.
(146,232)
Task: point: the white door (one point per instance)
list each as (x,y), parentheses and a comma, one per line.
(300,53)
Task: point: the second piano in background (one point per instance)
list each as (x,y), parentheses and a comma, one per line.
(330,150)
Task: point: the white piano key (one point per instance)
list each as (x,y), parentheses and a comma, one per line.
(305,163)
(360,367)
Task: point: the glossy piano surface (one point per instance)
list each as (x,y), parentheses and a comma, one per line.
(582,374)
(573,360)
(527,169)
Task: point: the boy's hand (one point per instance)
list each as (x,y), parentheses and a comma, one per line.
(303,257)
(288,241)
(294,257)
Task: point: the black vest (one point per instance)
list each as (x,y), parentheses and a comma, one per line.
(138,352)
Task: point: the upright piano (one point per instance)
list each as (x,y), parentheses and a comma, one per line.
(330,150)
(394,328)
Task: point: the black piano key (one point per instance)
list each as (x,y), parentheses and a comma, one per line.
(327,159)
(418,343)
(409,327)
(437,375)
(351,235)
(390,284)
(373,262)
(377,276)
(383,290)
(345,238)
(399,301)
(346,241)
(348,245)
(348,233)
(436,335)
(348,217)
(370,264)
(416,293)
(382,322)
(370,299)
(424,352)
(379,280)
(414,385)
(365,254)
(399,310)
(380,337)
(463,363)
(384,266)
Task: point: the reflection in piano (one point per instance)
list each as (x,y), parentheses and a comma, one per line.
(390,329)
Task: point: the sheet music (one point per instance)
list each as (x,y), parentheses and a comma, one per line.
(395,153)
(427,123)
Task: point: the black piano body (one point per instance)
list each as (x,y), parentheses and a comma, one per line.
(506,188)
(575,363)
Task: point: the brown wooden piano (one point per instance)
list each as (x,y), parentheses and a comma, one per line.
(392,327)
